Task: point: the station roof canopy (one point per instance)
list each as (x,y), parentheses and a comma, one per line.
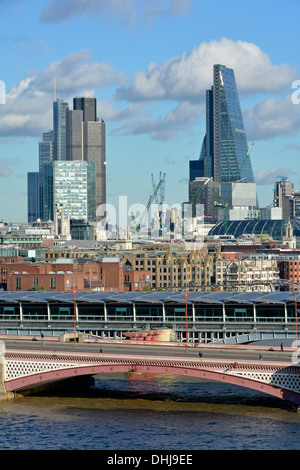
(278,297)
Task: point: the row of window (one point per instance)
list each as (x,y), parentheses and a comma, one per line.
(172,313)
(52,283)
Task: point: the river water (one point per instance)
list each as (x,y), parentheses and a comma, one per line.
(159,413)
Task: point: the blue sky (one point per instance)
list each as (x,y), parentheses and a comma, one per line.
(148,63)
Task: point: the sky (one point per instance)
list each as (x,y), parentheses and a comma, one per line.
(148,63)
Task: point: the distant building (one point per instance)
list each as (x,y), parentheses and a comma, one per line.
(86,140)
(224,153)
(70,185)
(45,156)
(205,191)
(88,106)
(60,108)
(77,136)
(65,275)
(33,196)
(224,156)
(94,150)
(74,144)
(244,274)
(283,194)
(275,229)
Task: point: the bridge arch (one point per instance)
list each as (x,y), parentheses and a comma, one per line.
(34,380)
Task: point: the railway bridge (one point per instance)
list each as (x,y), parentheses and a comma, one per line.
(25,371)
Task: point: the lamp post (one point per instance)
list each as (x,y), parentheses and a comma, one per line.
(186,322)
(296,314)
(74,318)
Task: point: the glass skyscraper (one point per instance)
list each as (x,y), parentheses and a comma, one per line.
(60,107)
(224,150)
(70,185)
(33,196)
(88,106)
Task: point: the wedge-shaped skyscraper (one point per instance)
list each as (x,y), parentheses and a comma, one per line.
(224,153)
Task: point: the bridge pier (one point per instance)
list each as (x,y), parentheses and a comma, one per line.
(4,395)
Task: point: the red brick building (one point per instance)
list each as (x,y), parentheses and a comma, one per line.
(108,274)
(290,271)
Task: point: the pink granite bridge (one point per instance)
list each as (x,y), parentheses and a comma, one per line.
(23,370)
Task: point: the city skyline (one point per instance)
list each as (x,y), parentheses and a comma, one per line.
(148,64)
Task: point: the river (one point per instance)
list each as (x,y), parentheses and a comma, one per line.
(159,413)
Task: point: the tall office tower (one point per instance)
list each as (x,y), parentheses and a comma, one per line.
(88,106)
(60,108)
(46,149)
(224,153)
(33,196)
(94,150)
(45,156)
(283,197)
(93,143)
(70,186)
(74,148)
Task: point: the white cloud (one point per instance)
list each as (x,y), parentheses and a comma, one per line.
(272,118)
(76,72)
(179,119)
(28,108)
(62,10)
(160,8)
(186,77)
(124,11)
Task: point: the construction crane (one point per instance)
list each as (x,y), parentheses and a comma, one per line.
(224,204)
(151,199)
(159,200)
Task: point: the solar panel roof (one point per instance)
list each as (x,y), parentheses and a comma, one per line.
(151,296)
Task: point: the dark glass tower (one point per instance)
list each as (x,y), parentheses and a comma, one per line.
(33,197)
(224,149)
(88,106)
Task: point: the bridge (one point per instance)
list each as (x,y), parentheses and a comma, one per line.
(25,370)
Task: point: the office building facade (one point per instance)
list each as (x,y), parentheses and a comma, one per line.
(93,142)
(284,197)
(88,106)
(33,196)
(70,187)
(204,191)
(94,150)
(60,108)
(74,143)
(224,153)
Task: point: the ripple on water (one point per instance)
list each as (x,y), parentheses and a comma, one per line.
(159,413)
